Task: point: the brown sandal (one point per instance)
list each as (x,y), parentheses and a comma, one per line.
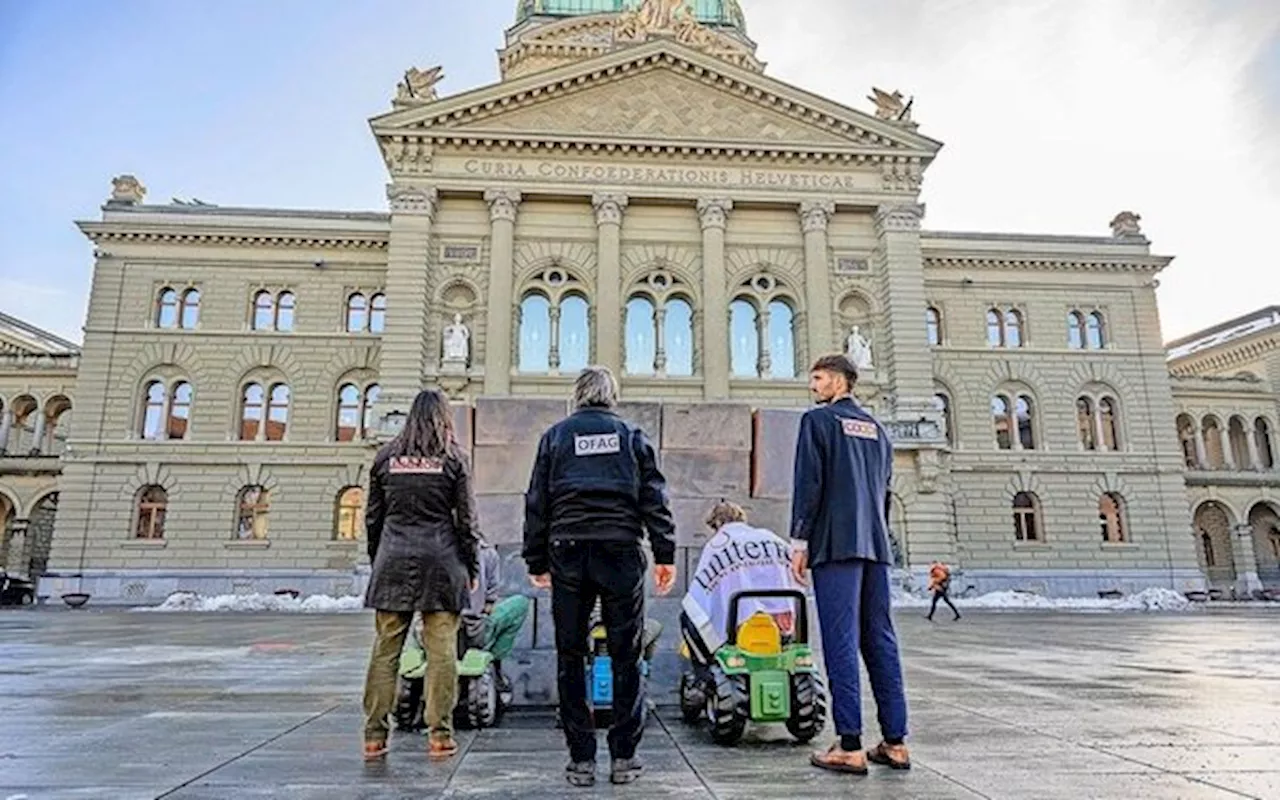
(375,751)
(442,749)
(893,756)
(837,760)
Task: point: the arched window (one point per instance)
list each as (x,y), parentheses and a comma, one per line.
(782,344)
(575,334)
(377,313)
(1003,423)
(1097,334)
(933,325)
(1012,328)
(1111,517)
(357,313)
(678,327)
(277,413)
(1026,423)
(535,334)
(167,309)
(642,345)
(1026,517)
(1108,422)
(252,407)
(349,519)
(253,505)
(744,340)
(1085,424)
(349,413)
(1262,434)
(371,394)
(995,330)
(152,504)
(264,311)
(1239,441)
(1075,330)
(285,306)
(180,410)
(190,309)
(943,404)
(1187,436)
(153,411)
(1211,432)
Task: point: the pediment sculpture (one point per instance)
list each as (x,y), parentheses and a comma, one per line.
(419,86)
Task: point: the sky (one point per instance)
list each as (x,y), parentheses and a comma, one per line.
(1056,114)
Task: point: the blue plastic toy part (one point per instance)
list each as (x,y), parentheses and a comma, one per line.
(601,678)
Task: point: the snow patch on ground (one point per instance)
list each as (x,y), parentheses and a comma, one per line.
(313,604)
(1153,599)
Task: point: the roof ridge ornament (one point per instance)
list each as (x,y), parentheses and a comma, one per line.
(418,87)
(663,18)
(892,108)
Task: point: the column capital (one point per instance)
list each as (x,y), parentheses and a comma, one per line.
(609,207)
(713,212)
(815,215)
(503,204)
(906,217)
(409,199)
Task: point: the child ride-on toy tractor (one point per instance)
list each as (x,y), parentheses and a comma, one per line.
(755,677)
(484,693)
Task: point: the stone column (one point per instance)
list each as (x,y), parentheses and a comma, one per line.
(6,424)
(404,343)
(1255,455)
(553,345)
(903,357)
(764,359)
(1228,454)
(714,216)
(660,339)
(1245,561)
(37,438)
(1202,455)
(609,209)
(815,215)
(503,204)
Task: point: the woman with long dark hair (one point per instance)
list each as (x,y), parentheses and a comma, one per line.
(422,544)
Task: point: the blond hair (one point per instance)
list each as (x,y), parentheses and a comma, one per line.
(724,512)
(595,388)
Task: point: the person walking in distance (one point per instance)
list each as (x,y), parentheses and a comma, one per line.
(940,585)
(594,492)
(844,462)
(423,541)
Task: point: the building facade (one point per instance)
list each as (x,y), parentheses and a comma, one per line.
(636,191)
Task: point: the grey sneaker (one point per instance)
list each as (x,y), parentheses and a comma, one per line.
(626,770)
(581,773)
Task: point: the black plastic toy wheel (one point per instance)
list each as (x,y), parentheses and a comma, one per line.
(409,704)
(729,708)
(693,698)
(482,700)
(808,706)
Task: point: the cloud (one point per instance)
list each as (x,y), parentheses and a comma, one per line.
(1058,113)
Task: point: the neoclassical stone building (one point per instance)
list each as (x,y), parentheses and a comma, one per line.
(635,191)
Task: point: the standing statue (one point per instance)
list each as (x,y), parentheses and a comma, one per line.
(457,341)
(858,348)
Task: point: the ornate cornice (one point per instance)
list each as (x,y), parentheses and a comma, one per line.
(1047,263)
(1230,357)
(503,204)
(713,212)
(99,233)
(414,200)
(609,208)
(899,218)
(815,215)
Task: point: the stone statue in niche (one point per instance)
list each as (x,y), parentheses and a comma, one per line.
(858,348)
(457,341)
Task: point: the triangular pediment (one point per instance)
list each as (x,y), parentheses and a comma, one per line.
(22,338)
(659,91)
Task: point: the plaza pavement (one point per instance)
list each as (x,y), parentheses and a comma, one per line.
(120,705)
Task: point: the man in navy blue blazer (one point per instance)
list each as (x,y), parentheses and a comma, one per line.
(844,461)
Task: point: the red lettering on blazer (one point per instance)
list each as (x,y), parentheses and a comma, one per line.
(414,465)
(860,429)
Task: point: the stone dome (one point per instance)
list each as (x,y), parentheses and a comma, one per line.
(713,13)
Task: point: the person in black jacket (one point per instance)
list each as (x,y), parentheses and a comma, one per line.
(423,539)
(844,462)
(595,491)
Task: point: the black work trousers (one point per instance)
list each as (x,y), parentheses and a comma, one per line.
(614,572)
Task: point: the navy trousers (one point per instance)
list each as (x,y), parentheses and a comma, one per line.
(855,616)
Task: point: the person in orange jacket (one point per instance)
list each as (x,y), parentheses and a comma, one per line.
(940,585)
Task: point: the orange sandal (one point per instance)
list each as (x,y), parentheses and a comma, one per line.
(442,749)
(375,751)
